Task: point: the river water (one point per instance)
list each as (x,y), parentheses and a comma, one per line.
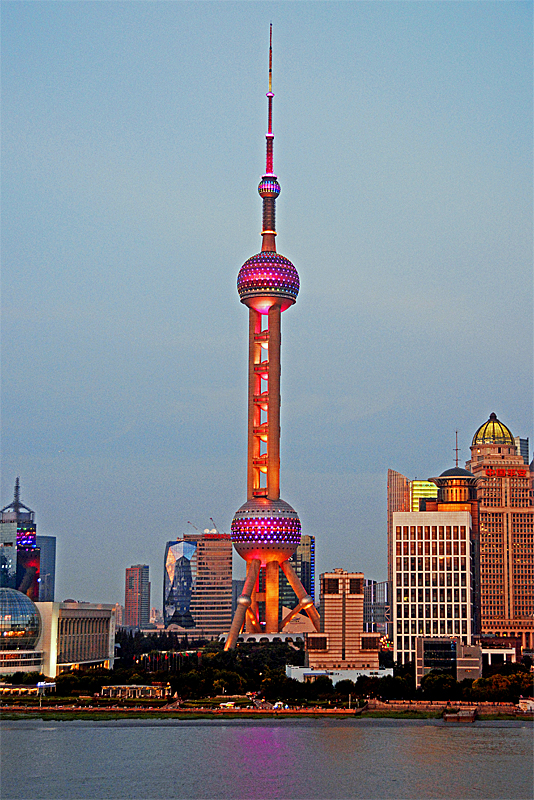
(321,759)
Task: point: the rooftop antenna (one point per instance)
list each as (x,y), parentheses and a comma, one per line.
(16,495)
(193,526)
(457,449)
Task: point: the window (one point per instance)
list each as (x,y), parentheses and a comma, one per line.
(316,643)
(370,642)
(331,585)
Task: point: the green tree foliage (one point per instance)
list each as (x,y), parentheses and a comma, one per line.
(345,687)
(440,685)
(503,688)
(209,670)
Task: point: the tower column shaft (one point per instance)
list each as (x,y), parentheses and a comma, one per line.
(254,356)
(273,435)
(271,597)
(251,621)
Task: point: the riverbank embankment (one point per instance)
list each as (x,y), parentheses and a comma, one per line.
(373,709)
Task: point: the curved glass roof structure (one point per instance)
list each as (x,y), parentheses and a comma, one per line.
(493,432)
(20,621)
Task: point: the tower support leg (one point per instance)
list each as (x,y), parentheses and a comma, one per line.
(304,599)
(243,603)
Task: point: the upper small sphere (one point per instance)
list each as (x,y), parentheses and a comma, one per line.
(493,432)
(20,621)
(269,187)
(265,278)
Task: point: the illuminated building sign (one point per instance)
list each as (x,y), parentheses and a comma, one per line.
(503,473)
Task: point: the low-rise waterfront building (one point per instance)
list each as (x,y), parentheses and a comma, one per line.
(309,674)
(444,654)
(76,635)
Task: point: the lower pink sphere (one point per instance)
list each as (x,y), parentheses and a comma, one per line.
(266,529)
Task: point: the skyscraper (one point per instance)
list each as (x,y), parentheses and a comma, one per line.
(137,597)
(404,495)
(398,499)
(47,584)
(342,642)
(377,607)
(266,530)
(435,556)
(506,532)
(19,553)
(197,583)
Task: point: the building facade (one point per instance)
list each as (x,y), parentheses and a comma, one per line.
(19,553)
(377,608)
(20,633)
(197,584)
(76,636)
(462,661)
(54,637)
(421,490)
(404,495)
(398,499)
(47,568)
(341,642)
(432,592)
(505,483)
(137,597)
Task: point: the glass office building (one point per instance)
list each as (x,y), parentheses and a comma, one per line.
(197,584)
(47,571)
(179,583)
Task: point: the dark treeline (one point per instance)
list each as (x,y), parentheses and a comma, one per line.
(197,670)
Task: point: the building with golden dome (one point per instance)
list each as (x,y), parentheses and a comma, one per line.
(506,522)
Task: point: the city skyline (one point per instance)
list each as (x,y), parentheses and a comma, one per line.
(129,173)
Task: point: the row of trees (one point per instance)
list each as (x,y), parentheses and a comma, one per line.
(208,671)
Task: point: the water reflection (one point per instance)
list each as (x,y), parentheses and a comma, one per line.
(278,760)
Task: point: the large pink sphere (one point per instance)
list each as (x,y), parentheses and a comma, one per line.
(266,529)
(266,278)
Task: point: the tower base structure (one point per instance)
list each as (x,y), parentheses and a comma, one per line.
(247,604)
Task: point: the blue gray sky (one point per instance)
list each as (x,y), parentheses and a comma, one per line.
(133,142)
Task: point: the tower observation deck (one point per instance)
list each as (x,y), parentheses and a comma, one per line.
(266,529)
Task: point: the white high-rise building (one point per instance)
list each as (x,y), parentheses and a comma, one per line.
(432,583)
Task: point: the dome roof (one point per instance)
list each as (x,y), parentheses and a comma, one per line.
(20,621)
(268,274)
(493,432)
(456,472)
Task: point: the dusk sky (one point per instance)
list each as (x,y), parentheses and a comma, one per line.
(133,143)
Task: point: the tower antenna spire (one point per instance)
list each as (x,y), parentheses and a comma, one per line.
(271,58)
(269,188)
(457,449)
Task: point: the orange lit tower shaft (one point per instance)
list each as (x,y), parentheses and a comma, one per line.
(266,530)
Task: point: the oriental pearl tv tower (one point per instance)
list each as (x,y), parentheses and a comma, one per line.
(266,530)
